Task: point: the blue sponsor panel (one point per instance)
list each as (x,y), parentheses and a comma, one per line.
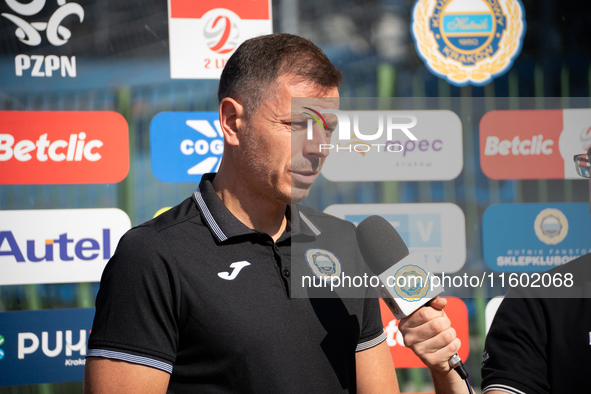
(185,145)
(47,346)
(535,237)
(419,231)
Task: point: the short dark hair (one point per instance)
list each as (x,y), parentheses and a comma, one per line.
(258,62)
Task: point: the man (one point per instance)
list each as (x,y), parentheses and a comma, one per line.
(539,341)
(198,299)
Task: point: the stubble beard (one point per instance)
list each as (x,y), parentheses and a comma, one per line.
(260,173)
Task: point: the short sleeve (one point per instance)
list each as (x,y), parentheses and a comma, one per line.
(372,331)
(514,358)
(137,303)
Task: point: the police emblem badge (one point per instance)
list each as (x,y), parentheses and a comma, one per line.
(468,41)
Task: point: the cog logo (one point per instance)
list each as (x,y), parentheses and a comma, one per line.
(221,34)
(211,147)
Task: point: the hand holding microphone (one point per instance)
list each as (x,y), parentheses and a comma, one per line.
(427,331)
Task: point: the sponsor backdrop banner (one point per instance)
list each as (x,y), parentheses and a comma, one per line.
(58,245)
(204,34)
(44,346)
(533,144)
(380,147)
(437,231)
(39,147)
(535,237)
(404,357)
(185,145)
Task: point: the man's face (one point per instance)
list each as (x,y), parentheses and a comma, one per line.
(280,163)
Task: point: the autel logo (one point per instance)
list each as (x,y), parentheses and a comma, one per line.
(63,147)
(84,249)
(58,245)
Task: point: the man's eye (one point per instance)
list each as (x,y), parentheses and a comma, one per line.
(298,125)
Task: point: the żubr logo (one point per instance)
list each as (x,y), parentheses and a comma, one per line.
(29,33)
(221,34)
(185,145)
(63,147)
(468,41)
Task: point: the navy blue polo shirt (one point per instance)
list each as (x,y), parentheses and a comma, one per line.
(198,294)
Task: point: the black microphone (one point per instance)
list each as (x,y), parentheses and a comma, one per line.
(406,284)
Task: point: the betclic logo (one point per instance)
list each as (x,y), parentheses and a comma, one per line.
(185,145)
(58,245)
(55,147)
(533,144)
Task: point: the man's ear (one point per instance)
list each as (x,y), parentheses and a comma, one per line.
(232,120)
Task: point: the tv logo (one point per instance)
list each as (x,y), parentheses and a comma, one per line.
(58,245)
(437,231)
(57,35)
(185,145)
(57,147)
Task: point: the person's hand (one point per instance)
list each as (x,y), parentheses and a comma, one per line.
(429,334)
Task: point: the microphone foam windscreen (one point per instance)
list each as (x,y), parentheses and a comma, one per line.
(380,244)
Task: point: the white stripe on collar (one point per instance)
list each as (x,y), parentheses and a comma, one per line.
(208,217)
(314,229)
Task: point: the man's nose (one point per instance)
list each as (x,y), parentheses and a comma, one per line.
(318,144)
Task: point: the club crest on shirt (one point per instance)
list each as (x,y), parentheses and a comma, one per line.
(324,264)
(468,41)
(551,226)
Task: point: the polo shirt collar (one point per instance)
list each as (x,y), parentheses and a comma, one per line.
(224,225)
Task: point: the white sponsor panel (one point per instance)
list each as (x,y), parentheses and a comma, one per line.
(381,148)
(58,245)
(437,231)
(575,138)
(203,35)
